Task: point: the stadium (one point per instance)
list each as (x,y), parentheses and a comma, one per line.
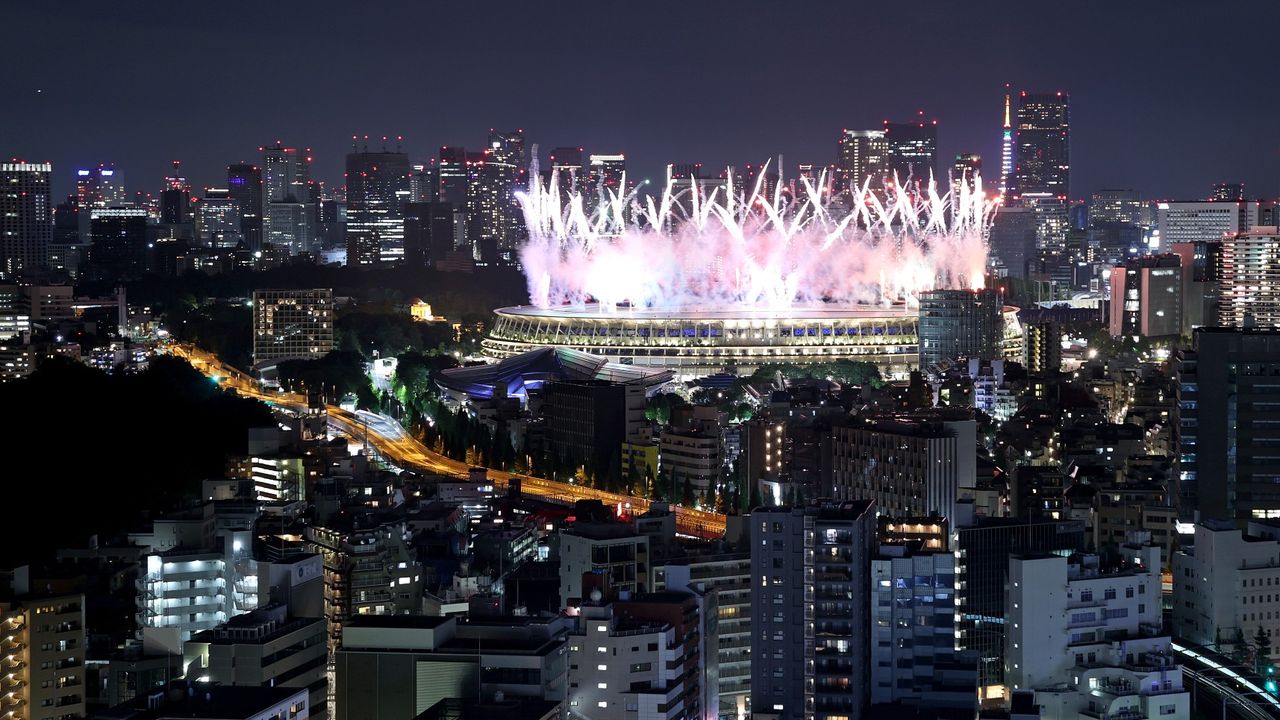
(693,343)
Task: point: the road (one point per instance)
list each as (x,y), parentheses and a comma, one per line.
(403,450)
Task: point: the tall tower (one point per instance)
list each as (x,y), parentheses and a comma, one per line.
(912,150)
(377,189)
(244,183)
(1006,148)
(1042,166)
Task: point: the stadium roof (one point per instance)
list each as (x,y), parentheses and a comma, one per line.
(531,370)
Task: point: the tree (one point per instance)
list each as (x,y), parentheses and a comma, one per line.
(1262,652)
(686,493)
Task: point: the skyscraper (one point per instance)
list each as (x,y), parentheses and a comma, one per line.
(1146,297)
(860,154)
(286,174)
(811,617)
(26,217)
(566,163)
(605,175)
(424,183)
(505,170)
(244,182)
(428,232)
(1042,158)
(912,150)
(99,187)
(377,188)
(1224,428)
(1115,206)
(219,219)
(965,171)
(1227,192)
(119,242)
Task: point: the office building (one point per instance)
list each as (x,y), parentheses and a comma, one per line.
(286,174)
(645,655)
(568,168)
(244,185)
(377,189)
(424,183)
(1042,147)
(609,549)
(960,324)
(291,324)
(26,217)
(263,648)
(914,659)
(1201,263)
(218,219)
(1012,240)
(1146,297)
(910,465)
(1249,284)
(587,422)
(1116,206)
(911,151)
(187,591)
(42,655)
(1202,221)
(1226,585)
(118,242)
(965,171)
(1223,430)
(861,155)
(397,667)
(982,572)
(100,187)
(1087,637)
(605,178)
(429,233)
(289,227)
(811,616)
(729,575)
(506,169)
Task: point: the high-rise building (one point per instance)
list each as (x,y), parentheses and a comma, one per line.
(1225,461)
(44,644)
(1146,297)
(118,238)
(1116,206)
(429,233)
(567,165)
(291,226)
(244,182)
(1012,240)
(26,217)
(909,465)
(1202,221)
(286,174)
(605,175)
(911,151)
(100,187)
(913,630)
(811,615)
(453,176)
(1042,158)
(291,324)
(507,167)
(377,189)
(960,323)
(965,171)
(861,155)
(1006,148)
(1250,279)
(218,219)
(1043,347)
(1227,192)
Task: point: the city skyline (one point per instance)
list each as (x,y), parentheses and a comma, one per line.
(1122,126)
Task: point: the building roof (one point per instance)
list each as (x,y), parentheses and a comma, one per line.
(514,376)
(203,700)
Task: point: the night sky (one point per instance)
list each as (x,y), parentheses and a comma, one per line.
(1167,97)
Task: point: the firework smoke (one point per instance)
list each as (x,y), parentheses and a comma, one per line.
(705,250)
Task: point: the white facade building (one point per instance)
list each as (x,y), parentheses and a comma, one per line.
(1227,585)
(613,549)
(1201,220)
(1089,640)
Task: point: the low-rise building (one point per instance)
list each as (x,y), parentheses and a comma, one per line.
(1226,586)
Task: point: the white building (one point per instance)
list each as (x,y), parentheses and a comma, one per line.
(1088,639)
(1227,585)
(1201,220)
(627,660)
(614,549)
(184,591)
(691,456)
(1250,282)
(278,479)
